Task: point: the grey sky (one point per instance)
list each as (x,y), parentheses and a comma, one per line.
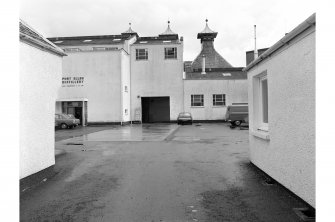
(233,20)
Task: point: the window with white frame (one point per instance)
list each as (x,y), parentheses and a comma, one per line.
(197,100)
(219,99)
(141,54)
(170,53)
(261,108)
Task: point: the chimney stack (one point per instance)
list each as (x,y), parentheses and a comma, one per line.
(203,64)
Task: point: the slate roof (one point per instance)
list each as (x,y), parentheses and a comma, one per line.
(223,74)
(212,58)
(171,39)
(28,34)
(95,40)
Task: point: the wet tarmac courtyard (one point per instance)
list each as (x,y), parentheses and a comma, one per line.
(158,172)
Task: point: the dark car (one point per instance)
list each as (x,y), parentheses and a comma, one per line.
(237,114)
(65,121)
(184,118)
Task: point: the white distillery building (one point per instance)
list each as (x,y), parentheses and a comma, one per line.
(122,78)
(40,75)
(211,83)
(281,88)
(127,78)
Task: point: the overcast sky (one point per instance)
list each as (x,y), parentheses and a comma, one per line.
(233,20)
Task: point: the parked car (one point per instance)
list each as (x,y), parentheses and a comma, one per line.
(237,114)
(65,121)
(184,117)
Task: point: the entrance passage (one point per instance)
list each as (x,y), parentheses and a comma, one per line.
(78,109)
(155,109)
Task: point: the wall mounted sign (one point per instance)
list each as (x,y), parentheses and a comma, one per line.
(72,81)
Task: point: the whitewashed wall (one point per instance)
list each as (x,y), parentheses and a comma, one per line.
(157,77)
(40,78)
(236,92)
(102,84)
(289,154)
(125,81)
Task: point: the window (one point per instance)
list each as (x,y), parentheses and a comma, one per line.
(219,100)
(264,99)
(141,54)
(170,53)
(197,100)
(126,111)
(260,104)
(126,88)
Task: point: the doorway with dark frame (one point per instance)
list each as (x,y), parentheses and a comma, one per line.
(155,109)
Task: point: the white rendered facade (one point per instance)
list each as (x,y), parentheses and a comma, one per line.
(282,128)
(40,77)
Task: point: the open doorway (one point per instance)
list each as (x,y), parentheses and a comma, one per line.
(155,109)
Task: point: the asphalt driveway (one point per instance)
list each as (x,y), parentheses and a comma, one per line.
(161,173)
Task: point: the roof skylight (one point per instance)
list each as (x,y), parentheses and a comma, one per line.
(58,42)
(226,74)
(144,42)
(87,40)
(116,39)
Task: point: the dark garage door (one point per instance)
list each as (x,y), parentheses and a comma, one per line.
(155,109)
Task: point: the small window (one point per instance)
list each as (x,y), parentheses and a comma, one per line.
(126,111)
(260,104)
(126,88)
(197,100)
(170,53)
(219,100)
(264,96)
(141,54)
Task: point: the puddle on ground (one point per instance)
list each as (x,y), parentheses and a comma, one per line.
(138,132)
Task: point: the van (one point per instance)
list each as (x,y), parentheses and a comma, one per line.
(237,114)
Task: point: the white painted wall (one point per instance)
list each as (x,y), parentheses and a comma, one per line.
(125,81)
(58,107)
(289,154)
(40,78)
(102,84)
(236,92)
(157,77)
